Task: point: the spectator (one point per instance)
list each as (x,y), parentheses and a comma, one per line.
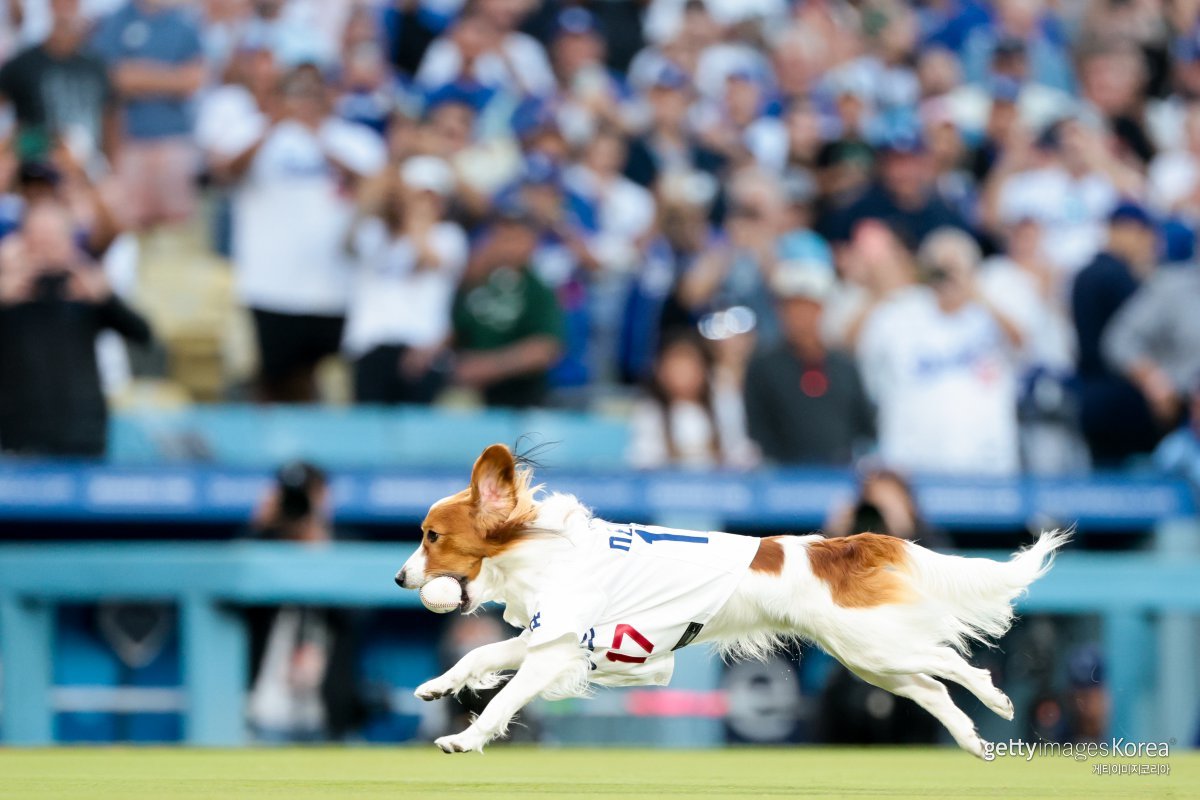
(304,682)
(591,95)
(680,234)
(941,365)
(484,47)
(1114,415)
(806,404)
(738,273)
(885,503)
(1068,180)
(508,327)
(690,419)
(876,267)
(1024,283)
(1175,174)
(155,58)
(668,145)
(53,303)
(1021,26)
(59,92)
(411,260)
(1153,340)
(623,214)
(290,216)
(904,197)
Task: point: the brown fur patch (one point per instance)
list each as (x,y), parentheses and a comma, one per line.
(466,534)
(769,558)
(863,570)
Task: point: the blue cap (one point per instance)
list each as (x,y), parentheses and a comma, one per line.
(906,141)
(1085,667)
(1005,89)
(1187,48)
(577,21)
(1009,46)
(463,92)
(1131,211)
(670,76)
(532,116)
(540,170)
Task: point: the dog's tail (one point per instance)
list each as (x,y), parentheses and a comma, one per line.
(973,597)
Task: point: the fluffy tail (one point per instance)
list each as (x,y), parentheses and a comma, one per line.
(973,597)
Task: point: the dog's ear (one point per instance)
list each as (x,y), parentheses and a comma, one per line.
(493,485)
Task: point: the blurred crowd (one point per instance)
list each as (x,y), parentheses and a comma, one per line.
(954,234)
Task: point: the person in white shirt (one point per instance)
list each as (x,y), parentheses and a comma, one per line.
(291,211)
(1022,282)
(1175,174)
(940,364)
(484,46)
(1068,180)
(411,260)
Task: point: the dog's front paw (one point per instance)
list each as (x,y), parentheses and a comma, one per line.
(436,688)
(464,742)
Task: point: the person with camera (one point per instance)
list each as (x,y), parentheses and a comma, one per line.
(940,363)
(304,684)
(54,300)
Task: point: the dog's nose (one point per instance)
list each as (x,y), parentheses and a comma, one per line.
(400,579)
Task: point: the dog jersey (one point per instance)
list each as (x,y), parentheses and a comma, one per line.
(634,594)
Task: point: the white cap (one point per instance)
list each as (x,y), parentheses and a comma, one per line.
(802,279)
(428,173)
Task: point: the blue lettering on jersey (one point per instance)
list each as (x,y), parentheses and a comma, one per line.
(588,640)
(619,543)
(536,622)
(623,540)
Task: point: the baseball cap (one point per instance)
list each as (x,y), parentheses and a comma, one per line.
(532,116)
(576,21)
(802,279)
(1009,46)
(1131,211)
(903,142)
(1187,48)
(1085,667)
(670,76)
(428,173)
(540,170)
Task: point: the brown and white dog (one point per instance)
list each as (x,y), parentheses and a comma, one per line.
(896,614)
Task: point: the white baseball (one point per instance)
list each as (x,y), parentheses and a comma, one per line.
(441,595)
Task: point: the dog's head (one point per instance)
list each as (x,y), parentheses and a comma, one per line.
(480,522)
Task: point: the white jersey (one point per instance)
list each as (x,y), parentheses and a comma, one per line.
(634,594)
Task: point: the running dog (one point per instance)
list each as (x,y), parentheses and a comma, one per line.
(605,603)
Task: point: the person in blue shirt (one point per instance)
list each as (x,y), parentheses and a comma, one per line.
(156,62)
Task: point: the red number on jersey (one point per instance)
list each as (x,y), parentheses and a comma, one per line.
(619,637)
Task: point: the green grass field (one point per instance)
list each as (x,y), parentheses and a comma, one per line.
(301,774)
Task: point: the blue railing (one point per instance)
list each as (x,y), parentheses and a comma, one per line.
(789,499)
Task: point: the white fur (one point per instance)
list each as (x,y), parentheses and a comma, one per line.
(901,647)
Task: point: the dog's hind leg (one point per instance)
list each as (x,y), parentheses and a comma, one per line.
(951,666)
(932,696)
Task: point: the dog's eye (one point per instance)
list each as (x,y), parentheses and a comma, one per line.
(431,536)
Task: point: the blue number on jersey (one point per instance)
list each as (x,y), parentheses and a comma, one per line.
(621,541)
